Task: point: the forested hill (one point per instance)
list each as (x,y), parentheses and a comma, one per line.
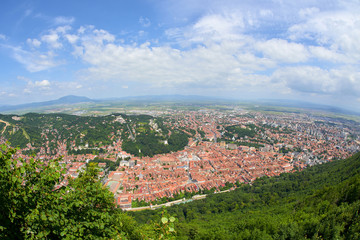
(321,202)
(54,133)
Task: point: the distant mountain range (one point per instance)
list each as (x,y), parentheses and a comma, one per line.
(304,105)
(188,99)
(71,99)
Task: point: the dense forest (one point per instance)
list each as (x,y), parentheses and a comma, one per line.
(321,202)
(244,135)
(142,135)
(37,128)
(238,132)
(149,144)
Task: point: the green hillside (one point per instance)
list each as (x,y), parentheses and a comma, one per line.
(321,202)
(36,129)
(142,135)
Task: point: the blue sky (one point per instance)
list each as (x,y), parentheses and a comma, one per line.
(250,49)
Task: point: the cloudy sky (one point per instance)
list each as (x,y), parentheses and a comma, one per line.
(249,49)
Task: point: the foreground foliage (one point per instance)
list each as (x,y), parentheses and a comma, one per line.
(34,205)
(322,202)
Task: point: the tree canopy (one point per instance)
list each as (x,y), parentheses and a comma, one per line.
(35,204)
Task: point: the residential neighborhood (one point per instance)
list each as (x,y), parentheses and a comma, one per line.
(225,149)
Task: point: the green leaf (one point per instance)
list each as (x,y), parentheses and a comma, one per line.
(164,220)
(14,179)
(172,219)
(43,216)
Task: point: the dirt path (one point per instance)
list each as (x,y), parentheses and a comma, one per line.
(6,125)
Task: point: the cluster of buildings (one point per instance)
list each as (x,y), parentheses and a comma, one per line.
(203,167)
(213,163)
(286,143)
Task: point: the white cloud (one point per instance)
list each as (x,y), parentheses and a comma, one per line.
(266,13)
(62,29)
(28,12)
(37,87)
(22,78)
(217,27)
(101,36)
(326,54)
(40,54)
(338,31)
(65,87)
(141,33)
(44,87)
(305,79)
(283,51)
(34,61)
(64,20)
(72,38)
(145,22)
(26,90)
(33,42)
(310,79)
(82,29)
(2,37)
(52,39)
(307,12)
(70,85)
(209,29)
(166,66)
(42,84)
(89,36)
